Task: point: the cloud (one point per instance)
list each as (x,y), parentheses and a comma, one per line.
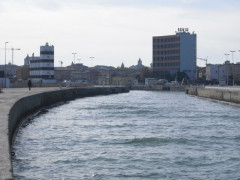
(114,31)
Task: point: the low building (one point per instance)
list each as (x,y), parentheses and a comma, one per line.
(62,73)
(23,73)
(123,80)
(150,81)
(9,68)
(227,72)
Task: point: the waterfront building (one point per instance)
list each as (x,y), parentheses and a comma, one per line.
(175,53)
(227,73)
(42,68)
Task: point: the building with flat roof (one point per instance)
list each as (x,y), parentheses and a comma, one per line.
(42,68)
(175,53)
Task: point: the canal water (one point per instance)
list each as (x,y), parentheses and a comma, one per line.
(137,135)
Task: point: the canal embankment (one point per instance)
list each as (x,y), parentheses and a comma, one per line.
(16,103)
(225,94)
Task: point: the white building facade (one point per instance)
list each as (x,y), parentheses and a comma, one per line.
(42,68)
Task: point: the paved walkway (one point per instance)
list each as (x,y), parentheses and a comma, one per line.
(7,99)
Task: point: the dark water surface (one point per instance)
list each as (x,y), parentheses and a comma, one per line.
(138,135)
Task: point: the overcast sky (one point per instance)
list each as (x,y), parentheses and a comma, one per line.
(116,31)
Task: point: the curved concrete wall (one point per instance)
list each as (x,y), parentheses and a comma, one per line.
(29,104)
(231,95)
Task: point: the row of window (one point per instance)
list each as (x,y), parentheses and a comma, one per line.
(176,51)
(41,73)
(41,64)
(166,64)
(172,39)
(166,58)
(46,52)
(166,46)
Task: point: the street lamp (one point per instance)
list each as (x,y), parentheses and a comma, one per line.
(227,56)
(227,66)
(232,55)
(74,56)
(233,65)
(12,52)
(239,50)
(12,57)
(5,64)
(92,58)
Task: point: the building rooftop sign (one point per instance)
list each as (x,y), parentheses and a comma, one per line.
(182,29)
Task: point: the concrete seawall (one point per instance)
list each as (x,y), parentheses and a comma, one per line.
(15,105)
(226,94)
(159,88)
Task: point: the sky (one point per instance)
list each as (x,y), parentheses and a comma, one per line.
(116,31)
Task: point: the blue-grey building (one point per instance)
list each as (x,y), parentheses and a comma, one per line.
(175,53)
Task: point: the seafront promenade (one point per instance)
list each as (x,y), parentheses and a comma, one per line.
(16,103)
(8,97)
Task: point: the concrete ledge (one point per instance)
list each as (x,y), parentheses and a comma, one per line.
(25,103)
(226,94)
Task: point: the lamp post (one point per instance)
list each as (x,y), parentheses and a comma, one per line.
(92,65)
(5,64)
(92,58)
(74,57)
(226,66)
(226,56)
(12,52)
(233,65)
(232,56)
(12,57)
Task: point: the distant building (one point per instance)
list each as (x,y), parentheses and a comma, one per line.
(175,53)
(9,69)
(23,73)
(150,81)
(227,73)
(62,73)
(201,73)
(139,66)
(120,76)
(42,68)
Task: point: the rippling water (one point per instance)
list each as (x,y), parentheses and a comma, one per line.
(138,135)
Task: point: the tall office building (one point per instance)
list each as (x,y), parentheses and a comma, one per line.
(42,68)
(175,53)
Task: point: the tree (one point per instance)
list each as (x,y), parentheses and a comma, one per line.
(145,73)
